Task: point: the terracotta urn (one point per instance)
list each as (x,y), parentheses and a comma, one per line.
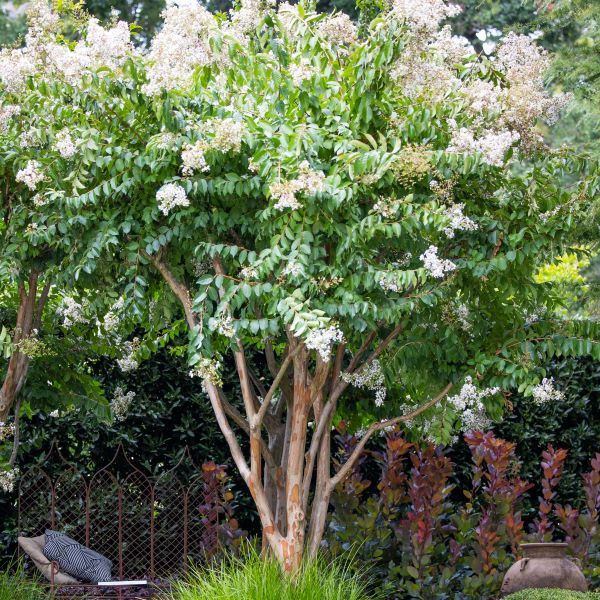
(544,565)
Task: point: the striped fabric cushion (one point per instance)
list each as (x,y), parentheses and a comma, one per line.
(75,559)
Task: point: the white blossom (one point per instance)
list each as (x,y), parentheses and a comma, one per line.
(8,479)
(120,403)
(7,430)
(371,378)
(463,316)
(458,221)
(193,158)
(492,146)
(308,181)
(72,312)
(546,392)
(424,14)
(468,404)
(208,370)
(226,134)
(7,112)
(180,47)
(225,326)
(301,71)
(171,195)
(322,340)
(293,269)
(338,29)
(436,266)
(31,175)
(64,144)
(128,362)
(248,273)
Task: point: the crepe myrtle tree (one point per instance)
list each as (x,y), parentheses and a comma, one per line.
(355,208)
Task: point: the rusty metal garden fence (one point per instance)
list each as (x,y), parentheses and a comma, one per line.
(150,527)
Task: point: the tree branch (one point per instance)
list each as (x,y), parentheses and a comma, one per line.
(178,288)
(257,421)
(347,466)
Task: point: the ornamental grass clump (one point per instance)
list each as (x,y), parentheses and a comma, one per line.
(553,595)
(253,577)
(15,584)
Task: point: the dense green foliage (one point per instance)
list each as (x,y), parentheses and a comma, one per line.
(254,577)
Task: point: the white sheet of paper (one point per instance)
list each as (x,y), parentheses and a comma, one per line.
(122,583)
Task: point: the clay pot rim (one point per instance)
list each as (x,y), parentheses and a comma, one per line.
(544,545)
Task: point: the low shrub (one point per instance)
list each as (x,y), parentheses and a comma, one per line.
(252,577)
(427,537)
(15,584)
(552,595)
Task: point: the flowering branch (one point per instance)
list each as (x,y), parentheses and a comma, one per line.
(347,466)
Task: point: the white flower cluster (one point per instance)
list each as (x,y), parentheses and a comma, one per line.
(463,315)
(293,269)
(64,144)
(171,195)
(71,312)
(44,54)
(387,207)
(458,220)
(8,479)
(308,181)
(7,112)
(120,403)
(248,273)
(322,340)
(181,46)
(207,370)
(227,134)
(225,326)
(424,14)
(193,158)
(248,16)
(39,200)
(302,71)
(338,30)
(436,266)
(7,430)
(112,318)
(468,403)
(369,378)
(128,362)
(492,146)
(546,392)
(31,175)
(389,283)
(484,96)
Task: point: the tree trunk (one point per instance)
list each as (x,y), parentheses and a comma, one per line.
(29,317)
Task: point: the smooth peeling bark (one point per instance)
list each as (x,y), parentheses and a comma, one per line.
(29,316)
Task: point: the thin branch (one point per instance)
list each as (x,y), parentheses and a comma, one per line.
(349,464)
(257,421)
(16,440)
(41,303)
(234,447)
(178,288)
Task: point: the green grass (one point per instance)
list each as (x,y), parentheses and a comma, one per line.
(16,585)
(553,595)
(254,578)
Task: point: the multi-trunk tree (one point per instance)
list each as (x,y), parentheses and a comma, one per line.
(359,208)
